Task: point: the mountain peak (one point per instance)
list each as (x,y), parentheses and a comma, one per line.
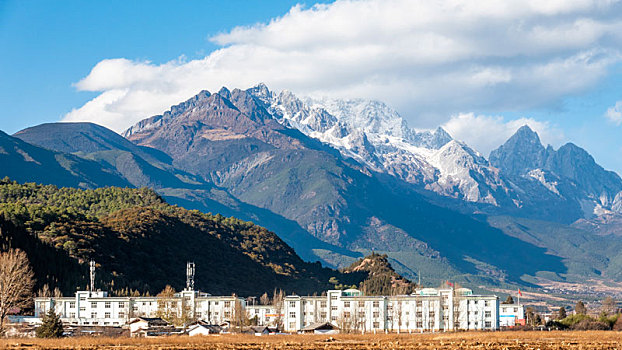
(224,92)
(525,132)
(521,153)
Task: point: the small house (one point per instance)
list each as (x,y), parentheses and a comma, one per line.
(203,328)
(143,323)
(320,328)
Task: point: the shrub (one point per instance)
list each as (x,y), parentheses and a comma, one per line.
(51,327)
(590,324)
(574,319)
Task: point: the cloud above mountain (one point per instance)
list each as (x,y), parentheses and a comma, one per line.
(614,113)
(485,133)
(428,59)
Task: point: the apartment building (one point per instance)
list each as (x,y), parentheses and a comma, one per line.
(427,309)
(97,308)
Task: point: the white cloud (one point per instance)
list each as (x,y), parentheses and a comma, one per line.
(428,59)
(614,113)
(485,133)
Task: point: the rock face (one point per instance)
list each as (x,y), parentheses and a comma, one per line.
(377,136)
(570,174)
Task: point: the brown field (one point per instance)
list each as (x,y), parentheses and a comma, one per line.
(472,340)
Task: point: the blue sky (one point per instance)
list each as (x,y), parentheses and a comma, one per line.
(479,70)
(49,45)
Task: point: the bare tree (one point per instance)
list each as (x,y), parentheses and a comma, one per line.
(278,298)
(239,318)
(44,292)
(167,304)
(264,299)
(609,306)
(16,282)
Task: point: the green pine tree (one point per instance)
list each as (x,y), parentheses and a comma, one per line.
(51,327)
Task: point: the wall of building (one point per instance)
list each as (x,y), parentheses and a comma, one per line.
(425,310)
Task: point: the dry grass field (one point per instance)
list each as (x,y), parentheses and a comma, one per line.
(473,340)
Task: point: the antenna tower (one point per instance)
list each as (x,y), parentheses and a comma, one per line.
(190,276)
(92,270)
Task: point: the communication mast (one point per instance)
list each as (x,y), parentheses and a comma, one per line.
(190,276)
(92,269)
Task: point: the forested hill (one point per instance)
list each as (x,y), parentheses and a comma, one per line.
(381,277)
(140,242)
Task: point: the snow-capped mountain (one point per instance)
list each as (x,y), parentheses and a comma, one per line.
(376,135)
(569,173)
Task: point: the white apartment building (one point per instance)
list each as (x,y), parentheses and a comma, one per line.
(511,315)
(98,309)
(427,309)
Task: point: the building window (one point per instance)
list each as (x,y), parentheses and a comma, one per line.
(107,315)
(419,324)
(292,304)
(322,304)
(431,314)
(121,304)
(515,310)
(475,312)
(333,308)
(487,314)
(198,315)
(505,309)
(215,303)
(488,324)
(72,315)
(323,315)
(173,304)
(121,314)
(107,305)
(93,314)
(227,304)
(292,325)
(376,304)
(419,303)
(376,314)
(292,315)
(334,318)
(487,303)
(376,325)
(419,314)
(227,314)
(72,304)
(93,305)
(83,309)
(346,314)
(346,304)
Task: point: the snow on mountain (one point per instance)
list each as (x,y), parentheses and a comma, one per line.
(569,172)
(376,135)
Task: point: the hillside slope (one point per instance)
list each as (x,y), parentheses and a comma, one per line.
(26,162)
(382,278)
(141,242)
